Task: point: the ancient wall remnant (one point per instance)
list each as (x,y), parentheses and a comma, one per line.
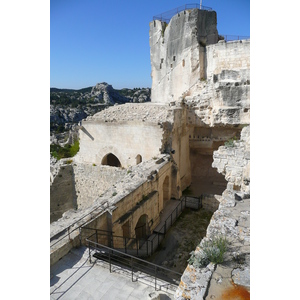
(92,180)
(177,52)
(143,190)
(116,136)
(62,192)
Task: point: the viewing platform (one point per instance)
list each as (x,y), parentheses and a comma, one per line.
(167,16)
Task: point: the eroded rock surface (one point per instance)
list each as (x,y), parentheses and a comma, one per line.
(147,112)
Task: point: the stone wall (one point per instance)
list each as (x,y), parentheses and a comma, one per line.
(93,180)
(203,141)
(62,192)
(234,163)
(147,199)
(232,221)
(146,184)
(233,55)
(127,131)
(125,140)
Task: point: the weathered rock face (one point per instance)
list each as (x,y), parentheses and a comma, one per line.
(62,115)
(231,220)
(224,98)
(104,93)
(234,162)
(177,52)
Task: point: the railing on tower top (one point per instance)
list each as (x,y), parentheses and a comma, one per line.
(166,16)
(228,37)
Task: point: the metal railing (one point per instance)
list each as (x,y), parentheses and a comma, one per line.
(123,244)
(75,226)
(147,246)
(230,37)
(159,234)
(167,16)
(133,264)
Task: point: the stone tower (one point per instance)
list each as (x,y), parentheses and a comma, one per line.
(178,52)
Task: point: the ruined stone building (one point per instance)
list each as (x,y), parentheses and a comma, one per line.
(134,158)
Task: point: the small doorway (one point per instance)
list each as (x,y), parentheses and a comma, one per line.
(138,159)
(141,228)
(111,160)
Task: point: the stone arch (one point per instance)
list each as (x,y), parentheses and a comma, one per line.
(110,160)
(138,159)
(166,190)
(141,227)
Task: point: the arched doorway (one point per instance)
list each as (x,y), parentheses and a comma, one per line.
(138,159)
(141,228)
(111,160)
(126,230)
(166,189)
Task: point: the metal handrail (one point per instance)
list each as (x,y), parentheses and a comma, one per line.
(126,242)
(77,227)
(146,266)
(166,16)
(231,37)
(144,247)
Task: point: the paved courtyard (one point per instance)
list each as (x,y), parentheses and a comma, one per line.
(74,277)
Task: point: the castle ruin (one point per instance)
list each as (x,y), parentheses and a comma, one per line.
(135,158)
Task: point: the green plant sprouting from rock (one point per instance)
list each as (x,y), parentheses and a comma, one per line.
(210,251)
(230,143)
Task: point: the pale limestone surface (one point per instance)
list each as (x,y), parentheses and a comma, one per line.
(177,52)
(127,131)
(75,278)
(147,112)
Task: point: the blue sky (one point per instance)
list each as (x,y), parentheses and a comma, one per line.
(95,41)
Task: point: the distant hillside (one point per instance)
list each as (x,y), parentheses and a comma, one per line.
(69,91)
(102,93)
(69,106)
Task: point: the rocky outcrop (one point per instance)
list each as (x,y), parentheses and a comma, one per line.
(104,93)
(62,115)
(230,221)
(69,107)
